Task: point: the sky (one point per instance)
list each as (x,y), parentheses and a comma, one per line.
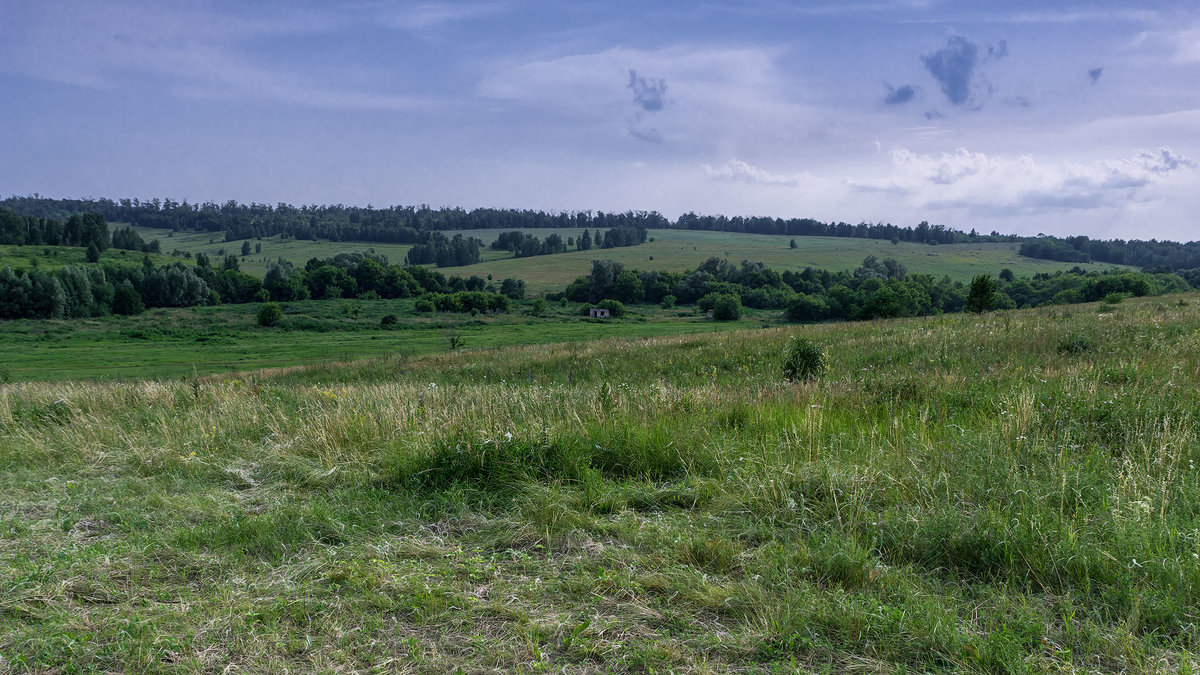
(1013,116)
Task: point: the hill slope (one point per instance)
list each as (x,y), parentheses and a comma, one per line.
(676,250)
(1012,492)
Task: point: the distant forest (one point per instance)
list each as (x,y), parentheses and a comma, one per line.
(396,224)
(1153,255)
(411,225)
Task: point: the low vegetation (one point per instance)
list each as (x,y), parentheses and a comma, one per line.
(954,493)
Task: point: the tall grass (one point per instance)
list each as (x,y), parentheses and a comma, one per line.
(955,493)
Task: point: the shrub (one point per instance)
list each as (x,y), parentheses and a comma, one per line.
(269,314)
(806,308)
(727,307)
(1075,343)
(539,307)
(668,301)
(1115,298)
(805,360)
(389,320)
(615,307)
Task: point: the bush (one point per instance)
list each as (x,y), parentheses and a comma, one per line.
(668,302)
(389,320)
(269,314)
(727,307)
(1115,298)
(1075,343)
(806,308)
(539,307)
(615,307)
(804,361)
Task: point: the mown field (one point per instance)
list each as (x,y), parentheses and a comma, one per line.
(227,338)
(1005,493)
(676,250)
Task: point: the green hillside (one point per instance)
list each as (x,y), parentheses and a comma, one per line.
(671,250)
(53,257)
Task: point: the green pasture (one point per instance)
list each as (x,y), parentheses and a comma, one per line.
(49,258)
(204,340)
(676,250)
(1013,492)
(681,250)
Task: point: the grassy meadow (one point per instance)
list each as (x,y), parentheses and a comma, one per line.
(1002,493)
(177,342)
(676,250)
(48,258)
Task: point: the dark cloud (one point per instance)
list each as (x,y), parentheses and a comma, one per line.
(1094,74)
(901,94)
(955,66)
(648,135)
(648,93)
(1022,101)
(934,115)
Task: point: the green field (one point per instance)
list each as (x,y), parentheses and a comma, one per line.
(676,250)
(1014,492)
(226,338)
(681,250)
(300,251)
(50,258)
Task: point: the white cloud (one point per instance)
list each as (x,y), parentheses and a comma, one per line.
(737,170)
(1179,45)
(980,184)
(1186,44)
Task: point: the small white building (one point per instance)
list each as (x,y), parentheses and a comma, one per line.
(598,313)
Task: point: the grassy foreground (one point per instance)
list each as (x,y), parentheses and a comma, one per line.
(1013,492)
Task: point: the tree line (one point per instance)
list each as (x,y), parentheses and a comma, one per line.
(338,222)
(524,244)
(922,233)
(81,291)
(404,224)
(1152,255)
(85,230)
(876,289)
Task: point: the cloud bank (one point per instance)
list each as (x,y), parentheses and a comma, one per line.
(1012,185)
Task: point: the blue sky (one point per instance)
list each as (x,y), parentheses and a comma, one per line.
(1025,117)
